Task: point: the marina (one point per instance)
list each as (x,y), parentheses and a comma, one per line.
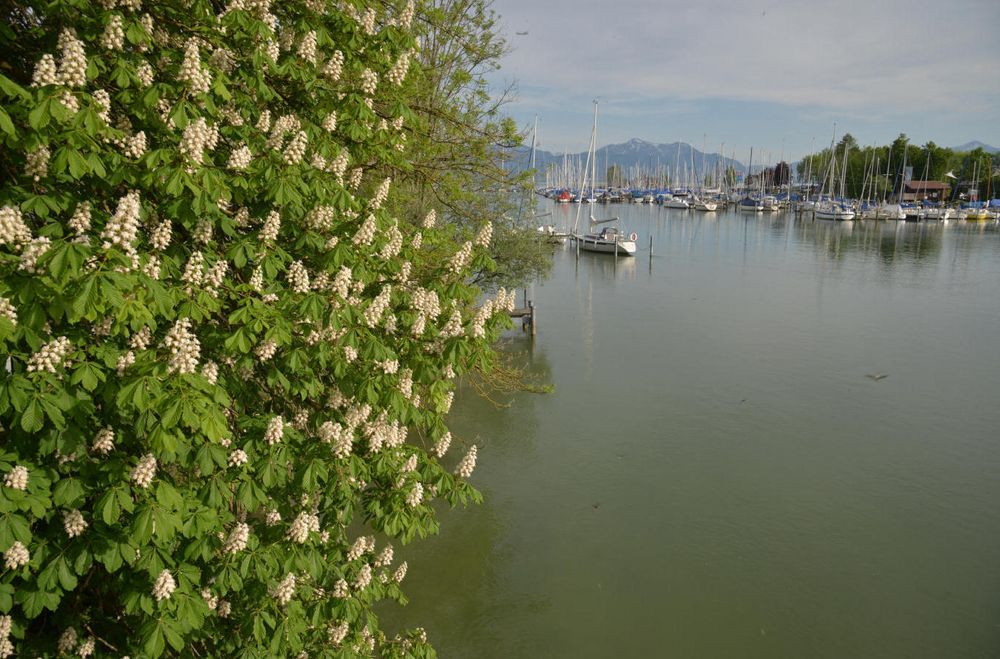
(775,437)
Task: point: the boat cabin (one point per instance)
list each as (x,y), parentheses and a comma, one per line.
(920,190)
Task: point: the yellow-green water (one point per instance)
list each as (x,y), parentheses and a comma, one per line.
(715,475)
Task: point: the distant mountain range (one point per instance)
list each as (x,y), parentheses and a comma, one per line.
(976,144)
(633,155)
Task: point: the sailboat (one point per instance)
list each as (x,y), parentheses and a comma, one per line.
(832,209)
(609,240)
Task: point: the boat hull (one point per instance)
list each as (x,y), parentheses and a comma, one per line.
(602,246)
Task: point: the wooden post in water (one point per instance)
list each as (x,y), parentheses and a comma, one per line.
(534,318)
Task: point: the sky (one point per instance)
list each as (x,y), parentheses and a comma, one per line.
(776,75)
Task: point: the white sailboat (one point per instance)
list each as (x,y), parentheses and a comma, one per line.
(609,240)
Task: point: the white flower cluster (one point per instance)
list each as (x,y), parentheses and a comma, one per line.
(67,640)
(103,100)
(141,339)
(330,121)
(307,48)
(6,647)
(406,16)
(337,633)
(341,590)
(321,218)
(468,463)
(369,82)
(429,219)
(380,194)
(237,540)
(339,166)
(442,444)
(12,227)
(215,276)
(380,433)
(159,237)
(238,458)
(391,249)
(364,577)
(198,137)
(272,224)
(366,232)
(230,114)
(484,235)
(296,149)
(415,496)
(406,383)
(266,350)
(191,72)
(194,272)
(285,590)
(275,431)
(164,586)
(73,64)
(298,277)
(74,523)
(334,66)
(104,441)
(17,478)
(51,357)
(240,158)
(80,221)
(303,523)
(400,573)
(210,371)
(45,72)
(184,347)
(368,21)
(8,311)
(453,328)
(123,226)
(16,556)
(126,360)
(479,322)
(133,146)
(144,72)
(378,307)
(37,163)
(285,124)
(461,258)
(114,34)
(144,471)
(86,648)
(397,74)
(32,252)
(264,121)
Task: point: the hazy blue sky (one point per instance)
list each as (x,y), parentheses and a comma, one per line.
(773,74)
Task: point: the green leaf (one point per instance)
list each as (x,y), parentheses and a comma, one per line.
(6,125)
(142,525)
(66,577)
(32,419)
(39,116)
(108,507)
(68,492)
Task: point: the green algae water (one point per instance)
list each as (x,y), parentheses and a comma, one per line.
(778,437)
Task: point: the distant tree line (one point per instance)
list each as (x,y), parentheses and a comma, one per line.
(878,170)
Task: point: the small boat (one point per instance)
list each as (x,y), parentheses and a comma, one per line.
(704,205)
(750,205)
(676,203)
(609,241)
(833,210)
(550,234)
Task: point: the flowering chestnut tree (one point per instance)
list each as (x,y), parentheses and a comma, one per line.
(226,367)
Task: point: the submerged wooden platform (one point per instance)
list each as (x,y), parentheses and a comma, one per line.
(528,316)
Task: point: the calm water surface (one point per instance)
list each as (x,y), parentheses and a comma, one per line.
(715,475)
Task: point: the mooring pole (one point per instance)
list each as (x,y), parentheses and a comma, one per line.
(534,319)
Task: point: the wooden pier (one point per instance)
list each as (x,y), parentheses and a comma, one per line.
(527,314)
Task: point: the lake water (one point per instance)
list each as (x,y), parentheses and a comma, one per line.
(714,474)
